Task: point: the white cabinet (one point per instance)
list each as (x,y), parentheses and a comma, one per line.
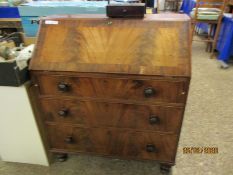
(20,140)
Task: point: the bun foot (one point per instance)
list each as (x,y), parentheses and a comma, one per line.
(62,157)
(165,169)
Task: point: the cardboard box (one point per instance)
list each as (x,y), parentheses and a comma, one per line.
(11,75)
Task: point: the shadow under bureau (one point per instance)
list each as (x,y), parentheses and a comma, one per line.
(112,87)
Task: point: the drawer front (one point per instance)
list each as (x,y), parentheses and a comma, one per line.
(100,114)
(114,142)
(114,88)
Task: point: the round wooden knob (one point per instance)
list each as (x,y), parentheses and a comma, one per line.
(153,119)
(63,112)
(63,87)
(69,140)
(149,92)
(151,148)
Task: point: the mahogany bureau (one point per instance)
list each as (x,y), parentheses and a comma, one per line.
(112,87)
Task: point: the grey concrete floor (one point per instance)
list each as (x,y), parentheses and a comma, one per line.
(208,122)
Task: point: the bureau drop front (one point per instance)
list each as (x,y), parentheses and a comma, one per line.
(112,87)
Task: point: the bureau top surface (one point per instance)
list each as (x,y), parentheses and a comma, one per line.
(156,45)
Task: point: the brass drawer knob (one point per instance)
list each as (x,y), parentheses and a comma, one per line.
(153,119)
(69,140)
(149,92)
(151,148)
(63,112)
(63,87)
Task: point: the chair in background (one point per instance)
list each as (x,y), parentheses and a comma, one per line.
(211,13)
(171,5)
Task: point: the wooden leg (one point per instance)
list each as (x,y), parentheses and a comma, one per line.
(209,45)
(193,30)
(177,6)
(165,168)
(218,27)
(62,157)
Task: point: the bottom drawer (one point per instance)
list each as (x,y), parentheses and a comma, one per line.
(113,142)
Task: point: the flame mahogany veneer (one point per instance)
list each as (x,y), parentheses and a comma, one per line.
(112,87)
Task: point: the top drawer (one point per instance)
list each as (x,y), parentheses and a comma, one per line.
(114,88)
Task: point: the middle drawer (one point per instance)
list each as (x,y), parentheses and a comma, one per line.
(103,114)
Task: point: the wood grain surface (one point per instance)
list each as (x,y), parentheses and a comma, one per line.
(99,114)
(114,142)
(115,88)
(148,46)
